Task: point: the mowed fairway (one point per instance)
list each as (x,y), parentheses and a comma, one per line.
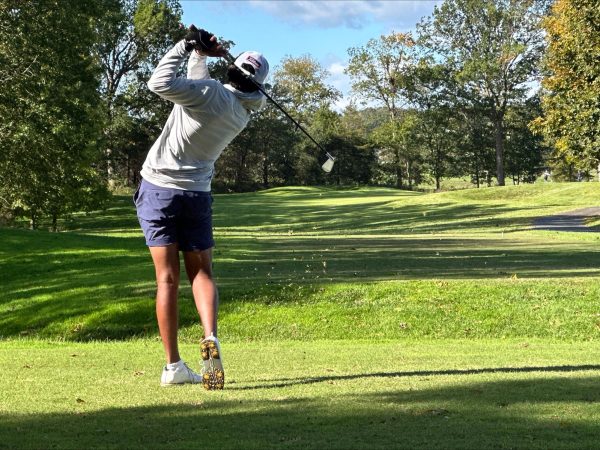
(355,318)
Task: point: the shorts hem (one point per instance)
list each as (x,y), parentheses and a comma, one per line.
(197,248)
(159,243)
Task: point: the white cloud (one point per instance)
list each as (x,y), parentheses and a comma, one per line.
(336,69)
(339,80)
(352,14)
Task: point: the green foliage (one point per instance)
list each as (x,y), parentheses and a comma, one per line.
(355,157)
(398,147)
(270,152)
(493,48)
(50,108)
(132,36)
(379,69)
(525,151)
(301,80)
(263,155)
(571,100)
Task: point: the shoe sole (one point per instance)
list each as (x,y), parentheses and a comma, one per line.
(213,376)
(176,384)
(183,383)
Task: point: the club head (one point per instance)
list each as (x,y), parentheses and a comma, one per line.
(328,165)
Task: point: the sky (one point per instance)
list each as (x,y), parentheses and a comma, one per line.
(323,29)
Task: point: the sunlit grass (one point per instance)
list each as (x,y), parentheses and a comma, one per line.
(302,246)
(350,318)
(365,393)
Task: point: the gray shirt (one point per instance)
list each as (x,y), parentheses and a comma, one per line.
(207,115)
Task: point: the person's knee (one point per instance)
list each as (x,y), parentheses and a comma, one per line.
(198,265)
(167,280)
(204,273)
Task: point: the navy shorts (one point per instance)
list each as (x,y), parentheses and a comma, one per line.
(169,216)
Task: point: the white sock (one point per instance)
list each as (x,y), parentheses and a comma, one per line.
(175,365)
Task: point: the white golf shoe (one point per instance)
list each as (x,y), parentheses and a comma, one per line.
(179,373)
(213,376)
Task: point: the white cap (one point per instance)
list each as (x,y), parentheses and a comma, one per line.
(256,60)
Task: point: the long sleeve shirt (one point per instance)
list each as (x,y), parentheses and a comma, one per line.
(206,117)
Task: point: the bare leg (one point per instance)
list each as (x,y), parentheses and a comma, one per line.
(166,264)
(198,265)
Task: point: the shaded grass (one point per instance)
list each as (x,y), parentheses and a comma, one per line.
(455,264)
(441,321)
(345,394)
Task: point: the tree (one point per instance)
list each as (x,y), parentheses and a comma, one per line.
(301,80)
(431,90)
(264,154)
(476,153)
(378,70)
(399,149)
(493,48)
(524,149)
(132,36)
(379,73)
(437,135)
(49,105)
(571,90)
(301,89)
(355,155)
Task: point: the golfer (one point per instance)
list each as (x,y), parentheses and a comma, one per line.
(174,201)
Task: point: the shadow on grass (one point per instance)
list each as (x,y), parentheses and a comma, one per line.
(83,286)
(284,382)
(385,217)
(334,212)
(541,413)
(348,259)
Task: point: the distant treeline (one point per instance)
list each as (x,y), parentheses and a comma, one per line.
(494,90)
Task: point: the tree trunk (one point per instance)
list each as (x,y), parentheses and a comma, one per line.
(570,172)
(438,170)
(499,125)
(398,176)
(110,171)
(265,172)
(398,170)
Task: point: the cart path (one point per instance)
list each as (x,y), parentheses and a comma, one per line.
(567,221)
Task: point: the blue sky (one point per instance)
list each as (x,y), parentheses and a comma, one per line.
(323,29)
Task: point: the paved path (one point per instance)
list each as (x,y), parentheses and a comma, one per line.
(567,221)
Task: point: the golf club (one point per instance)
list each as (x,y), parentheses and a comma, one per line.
(327,166)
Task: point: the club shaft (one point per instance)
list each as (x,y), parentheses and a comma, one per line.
(231,59)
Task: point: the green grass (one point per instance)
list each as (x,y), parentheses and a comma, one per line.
(483,330)
(450,265)
(348,394)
